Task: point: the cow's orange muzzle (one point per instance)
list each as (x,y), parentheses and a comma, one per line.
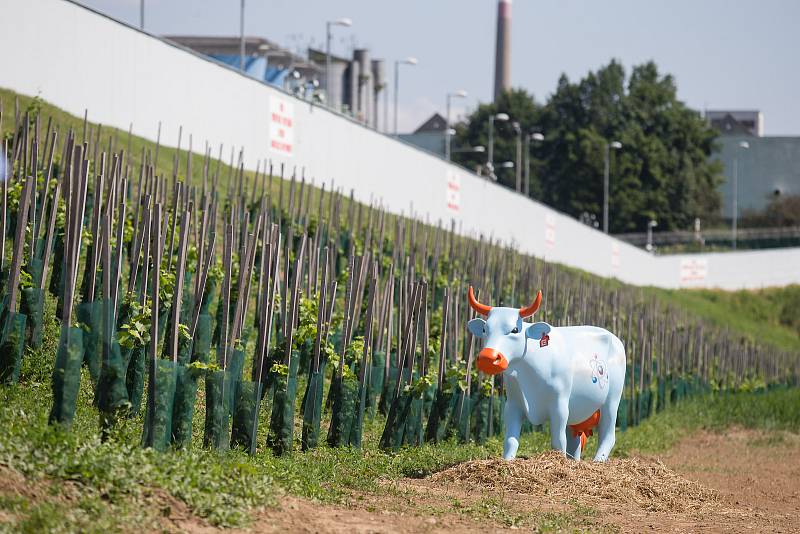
(491,361)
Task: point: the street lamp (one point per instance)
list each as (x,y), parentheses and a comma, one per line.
(458,94)
(744,145)
(479,149)
(340,22)
(504,165)
(141,15)
(650,225)
(518,165)
(490,156)
(397,63)
(616,145)
(538,137)
(241,38)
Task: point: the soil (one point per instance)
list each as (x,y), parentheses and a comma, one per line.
(736,481)
(740,481)
(754,473)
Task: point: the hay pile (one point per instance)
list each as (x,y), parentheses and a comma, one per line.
(648,484)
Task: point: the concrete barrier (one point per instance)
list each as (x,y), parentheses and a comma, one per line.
(77,58)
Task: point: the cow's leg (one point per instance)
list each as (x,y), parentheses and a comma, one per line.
(573,446)
(606,427)
(558,424)
(513,419)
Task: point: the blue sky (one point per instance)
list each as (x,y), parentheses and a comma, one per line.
(724,54)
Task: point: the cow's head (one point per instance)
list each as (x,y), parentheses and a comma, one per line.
(504,333)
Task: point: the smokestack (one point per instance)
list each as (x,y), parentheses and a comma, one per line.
(502,54)
(364,84)
(378,86)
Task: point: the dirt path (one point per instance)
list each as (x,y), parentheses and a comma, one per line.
(755,472)
(732,482)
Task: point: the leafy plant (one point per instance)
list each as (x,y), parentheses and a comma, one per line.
(216,273)
(455,376)
(25,280)
(198,368)
(418,387)
(183,331)
(136,331)
(355,349)
(307,329)
(279,369)
(166,287)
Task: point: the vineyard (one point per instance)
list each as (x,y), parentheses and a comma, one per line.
(194,305)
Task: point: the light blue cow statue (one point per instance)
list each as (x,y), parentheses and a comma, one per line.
(570,376)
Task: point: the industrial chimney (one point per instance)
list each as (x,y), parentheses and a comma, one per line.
(378,86)
(502,55)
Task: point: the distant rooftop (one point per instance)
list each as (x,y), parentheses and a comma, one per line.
(737,122)
(219,46)
(436,123)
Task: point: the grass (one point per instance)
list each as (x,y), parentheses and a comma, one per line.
(75,482)
(769,315)
(766,315)
(118,480)
(83,484)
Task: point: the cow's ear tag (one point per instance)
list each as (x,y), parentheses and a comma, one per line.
(538,331)
(544,341)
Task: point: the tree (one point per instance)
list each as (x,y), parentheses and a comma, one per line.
(521,107)
(782,210)
(663,171)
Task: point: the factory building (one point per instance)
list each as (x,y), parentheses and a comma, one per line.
(738,122)
(430,135)
(357,87)
(263,59)
(763,167)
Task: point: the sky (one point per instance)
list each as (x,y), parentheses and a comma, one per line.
(724,54)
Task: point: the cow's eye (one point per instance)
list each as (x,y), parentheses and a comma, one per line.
(515,331)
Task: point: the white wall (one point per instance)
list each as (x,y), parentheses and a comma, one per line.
(76,58)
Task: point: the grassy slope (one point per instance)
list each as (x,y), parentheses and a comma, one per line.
(767,315)
(771,315)
(93,486)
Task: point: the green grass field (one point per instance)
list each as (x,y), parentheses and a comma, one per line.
(51,480)
(92,486)
(767,315)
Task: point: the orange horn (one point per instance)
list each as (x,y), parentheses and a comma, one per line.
(475,305)
(530,310)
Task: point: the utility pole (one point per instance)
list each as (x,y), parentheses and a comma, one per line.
(241,38)
(527,155)
(608,146)
(490,154)
(346,22)
(538,137)
(447,135)
(397,63)
(396,89)
(735,215)
(735,207)
(605,190)
(518,161)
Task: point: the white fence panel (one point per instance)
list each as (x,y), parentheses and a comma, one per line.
(75,57)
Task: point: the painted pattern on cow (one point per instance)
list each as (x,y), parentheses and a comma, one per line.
(599,372)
